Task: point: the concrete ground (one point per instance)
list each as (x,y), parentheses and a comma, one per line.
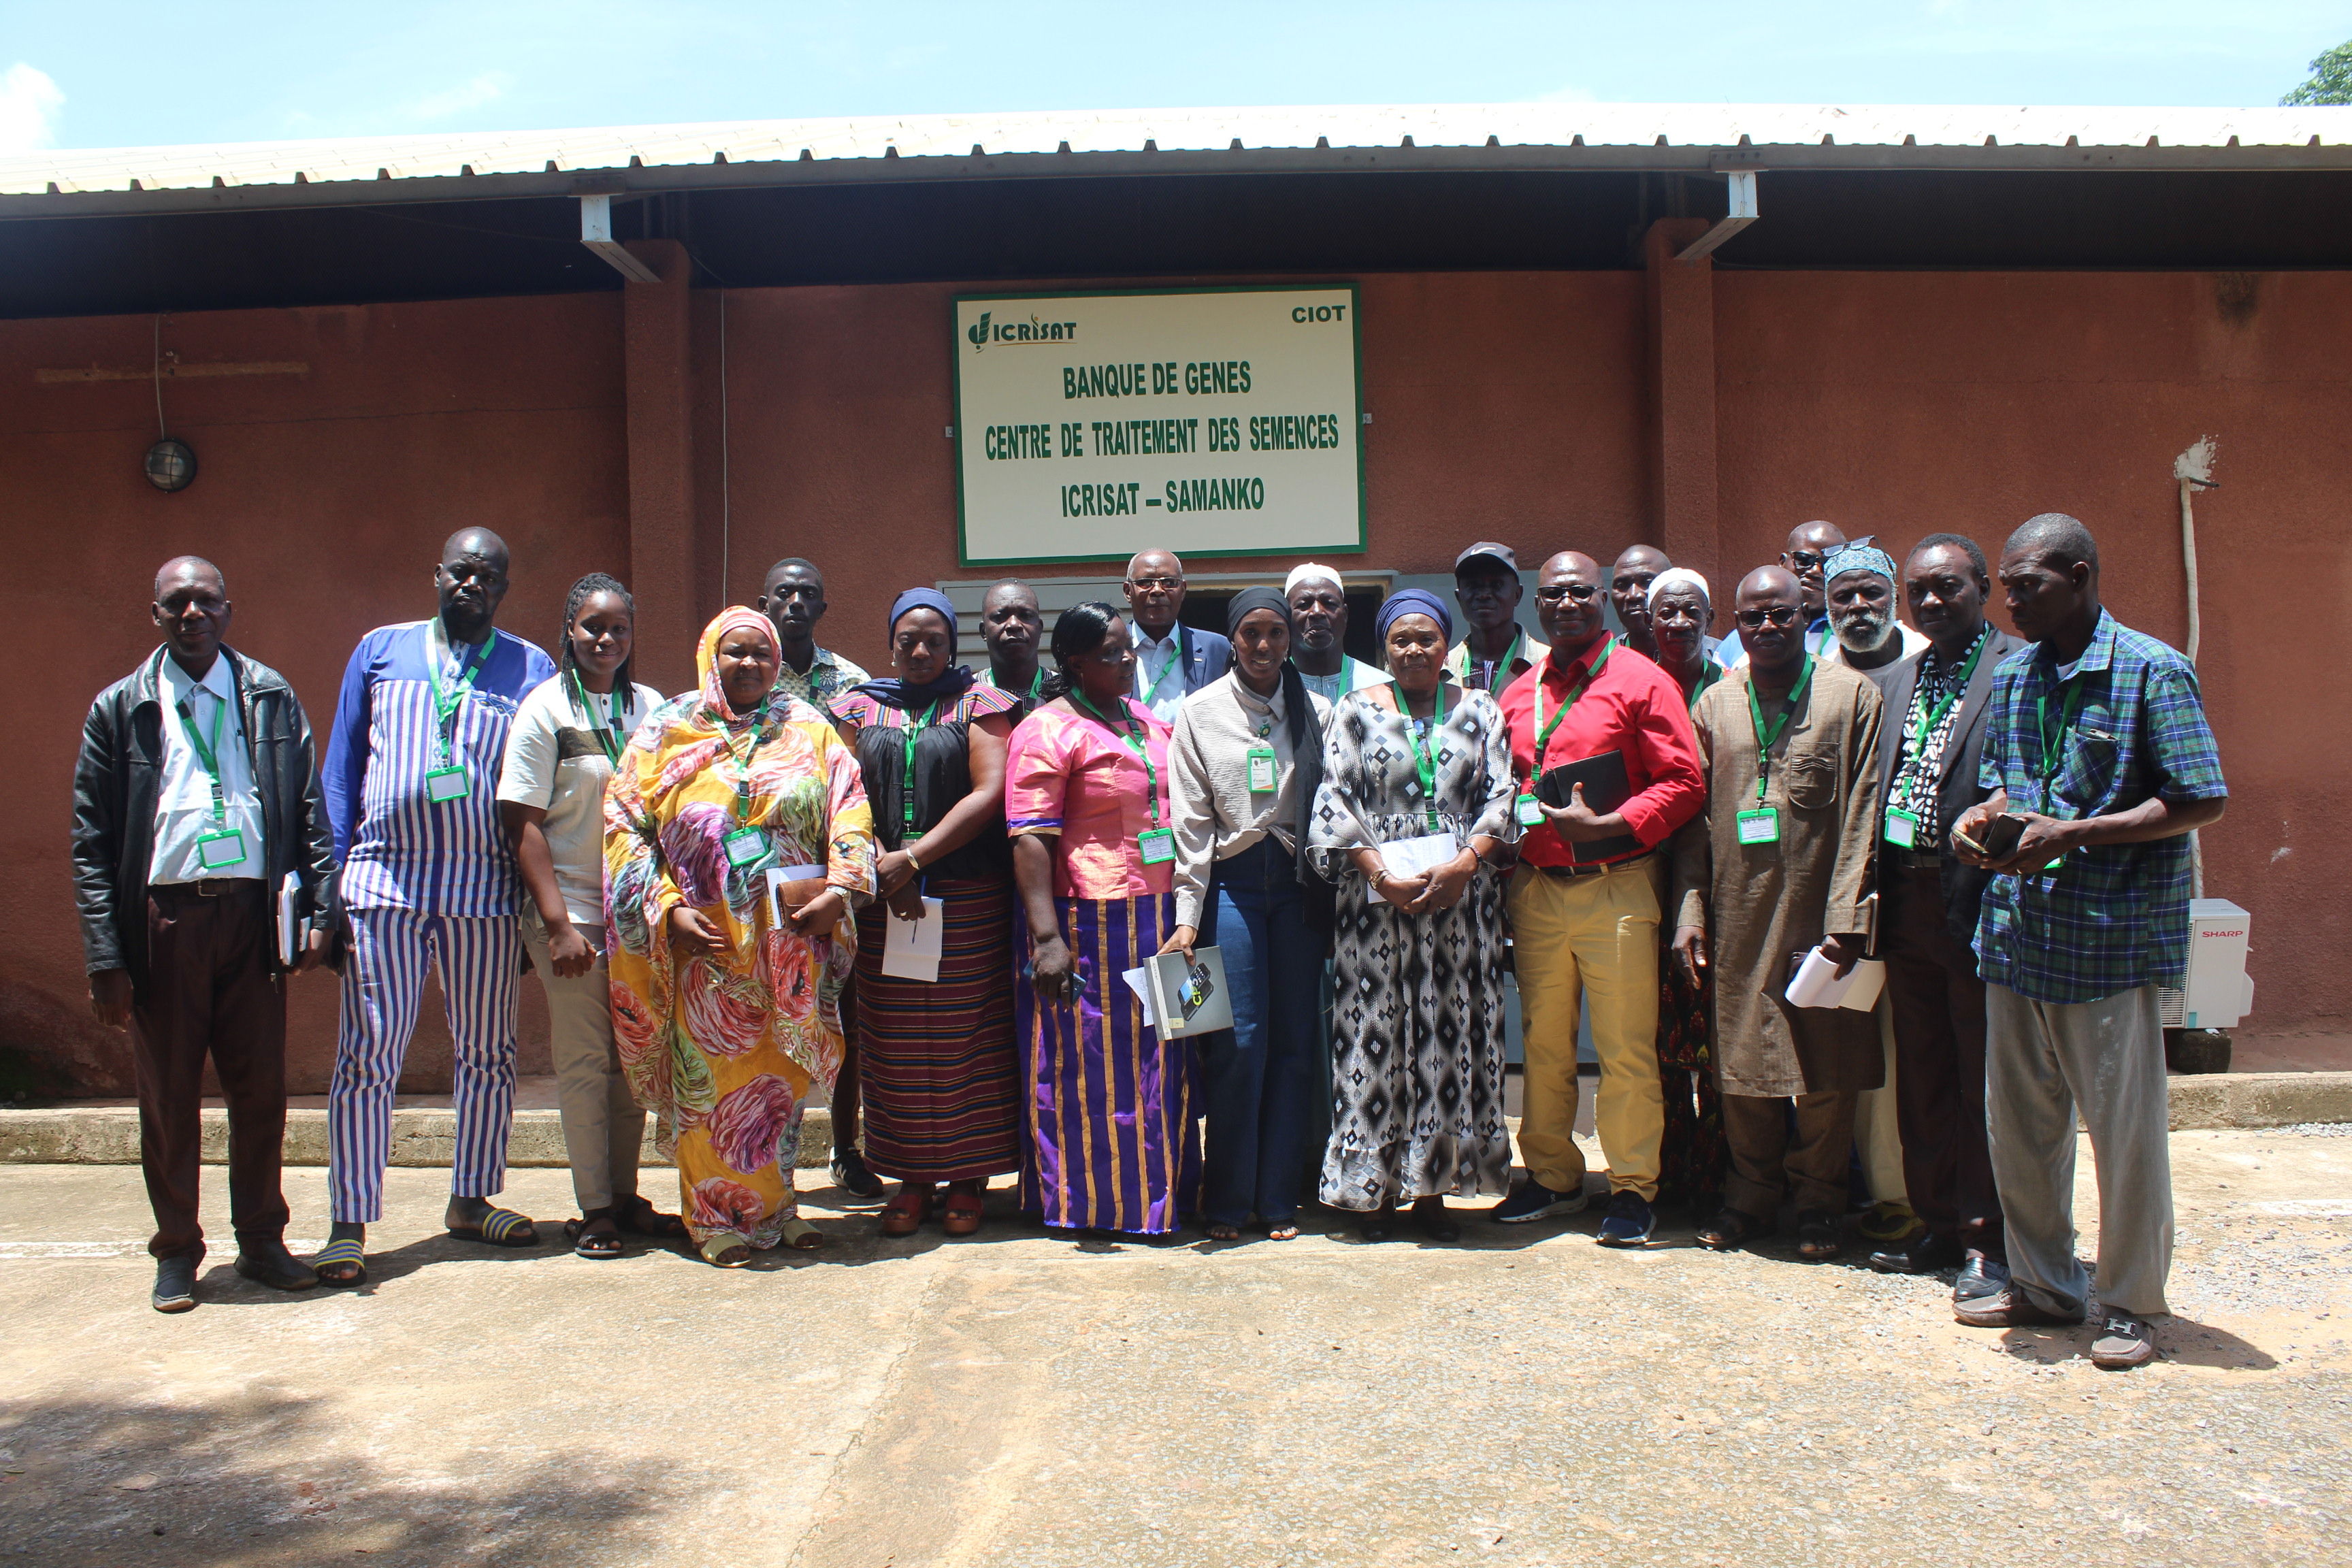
(1522,1398)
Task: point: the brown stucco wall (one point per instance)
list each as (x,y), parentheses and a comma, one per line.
(1517,407)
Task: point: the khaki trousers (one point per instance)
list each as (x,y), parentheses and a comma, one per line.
(1877,1131)
(602,1124)
(1591,936)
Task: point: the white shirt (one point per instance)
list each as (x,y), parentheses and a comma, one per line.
(184,797)
(1353,675)
(555,761)
(1832,651)
(1158,670)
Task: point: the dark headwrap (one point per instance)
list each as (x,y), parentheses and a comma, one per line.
(1249,599)
(1411,602)
(953,681)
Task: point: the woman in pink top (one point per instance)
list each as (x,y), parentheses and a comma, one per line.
(1112,1141)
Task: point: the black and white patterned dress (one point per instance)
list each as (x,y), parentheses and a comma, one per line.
(1417,1011)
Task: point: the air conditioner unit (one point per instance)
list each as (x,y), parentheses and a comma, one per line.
(2220,992)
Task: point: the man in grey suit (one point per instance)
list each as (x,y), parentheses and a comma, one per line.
(1927,900)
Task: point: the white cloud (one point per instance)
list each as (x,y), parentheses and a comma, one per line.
(29,102)
(486,88)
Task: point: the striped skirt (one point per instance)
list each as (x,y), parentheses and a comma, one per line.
(936,1066)
(1114,1139)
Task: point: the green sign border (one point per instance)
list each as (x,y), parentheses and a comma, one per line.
(955,390)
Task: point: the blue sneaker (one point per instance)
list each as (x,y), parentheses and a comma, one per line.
(1628,1222)
(1532,1200)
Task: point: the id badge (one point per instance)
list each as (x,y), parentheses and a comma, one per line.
(445,785)
(1530,812)
(746,846)
(219,851)
(1262,777)
(1761,825)
(1159,846)
(1901,828)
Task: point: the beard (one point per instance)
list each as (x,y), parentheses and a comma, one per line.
(1865,631)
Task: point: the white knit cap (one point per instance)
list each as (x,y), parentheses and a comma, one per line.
(1309,571)
(1680,577)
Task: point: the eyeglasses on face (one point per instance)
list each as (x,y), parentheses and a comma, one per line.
(1779,615)
(1554,592)
(1806,560)
(1162,584)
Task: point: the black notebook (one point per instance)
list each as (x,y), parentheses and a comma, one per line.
(1606,788)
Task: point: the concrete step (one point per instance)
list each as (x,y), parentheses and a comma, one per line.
(421,1135)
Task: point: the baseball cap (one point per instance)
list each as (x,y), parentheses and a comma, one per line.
(1488,548)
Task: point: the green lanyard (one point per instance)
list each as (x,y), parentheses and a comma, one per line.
(1929,721)
(1425,759)
(446,699)
(1764,738)
(1502,666)
(1175,665)
(1132,733)
(1543,741)
(2069,707)
(742,760)
(607,736)
(207,752)
(907,791)
(1709,673)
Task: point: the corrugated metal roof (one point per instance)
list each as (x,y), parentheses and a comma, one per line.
(1175,140)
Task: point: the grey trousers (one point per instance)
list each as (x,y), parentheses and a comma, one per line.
(602,1124)
(2043,1061)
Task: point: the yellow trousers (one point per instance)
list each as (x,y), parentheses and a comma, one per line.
(1594,936)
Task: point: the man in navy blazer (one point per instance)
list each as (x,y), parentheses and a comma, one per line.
(1927,903)
(1171,661)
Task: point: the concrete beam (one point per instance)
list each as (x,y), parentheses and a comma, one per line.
(1682,414)
(665,545)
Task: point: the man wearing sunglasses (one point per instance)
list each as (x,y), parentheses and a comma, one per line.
(1585,899)
(1782,865)
(1808,552)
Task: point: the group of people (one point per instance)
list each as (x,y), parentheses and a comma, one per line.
(1650,830)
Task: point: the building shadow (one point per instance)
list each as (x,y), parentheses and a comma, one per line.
(257,1478)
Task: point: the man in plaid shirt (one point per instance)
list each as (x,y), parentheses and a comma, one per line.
(2096,737)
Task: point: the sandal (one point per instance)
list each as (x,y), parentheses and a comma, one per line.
(802,1236)
(1818,1238)
(499,1227)
(1731,1230)
(1434,1221)
(637,1216)
(594,1234)
(960,1214)
(339,1256)
(904,1215)
(726,1250)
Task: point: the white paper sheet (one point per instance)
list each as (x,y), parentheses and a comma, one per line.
(1139,981)
(1819,985)
(289,900)
(910,949)
(1413,857)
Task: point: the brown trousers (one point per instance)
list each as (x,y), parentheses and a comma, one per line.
(1939,1064)
(208,992)
(1767,1162)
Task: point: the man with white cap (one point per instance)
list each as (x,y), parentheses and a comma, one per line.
(1319,609)
(1496,650)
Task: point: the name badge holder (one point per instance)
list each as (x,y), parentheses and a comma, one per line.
(1529,811)
(1901,827)
(448,781)
(445,785)
(1761,825)
(1157,844)
(224,847)
(745,846)
(1265,772)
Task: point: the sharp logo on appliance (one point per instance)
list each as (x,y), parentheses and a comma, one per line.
(988,330)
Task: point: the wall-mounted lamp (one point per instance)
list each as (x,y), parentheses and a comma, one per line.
(171,465)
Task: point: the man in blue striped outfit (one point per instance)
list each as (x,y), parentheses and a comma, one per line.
(412,774)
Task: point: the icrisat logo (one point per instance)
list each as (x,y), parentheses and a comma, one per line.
(987,330)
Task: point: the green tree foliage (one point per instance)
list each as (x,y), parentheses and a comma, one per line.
(2331,80)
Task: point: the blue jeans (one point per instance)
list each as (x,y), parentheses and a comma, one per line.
(1258,1077)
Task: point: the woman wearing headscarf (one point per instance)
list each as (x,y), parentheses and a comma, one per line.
(1691,1155)
(1247,754)
(1109,1106)
(737,837)
(1417,1027)
(935,1059)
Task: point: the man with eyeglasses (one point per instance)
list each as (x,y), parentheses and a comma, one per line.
(1780,866)
(1496,650)
(1584,901)
(1171,661)
(1808,551)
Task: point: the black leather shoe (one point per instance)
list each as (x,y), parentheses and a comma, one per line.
(175,1285)
(268,1263)
(1980,1277)
(1930,1254)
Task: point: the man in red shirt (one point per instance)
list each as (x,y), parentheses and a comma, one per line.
(1585,899)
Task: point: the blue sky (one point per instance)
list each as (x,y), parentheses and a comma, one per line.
(125,74)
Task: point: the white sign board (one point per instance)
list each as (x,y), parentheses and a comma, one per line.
(1209,422)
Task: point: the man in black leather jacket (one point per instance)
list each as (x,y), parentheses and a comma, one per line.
(196,800)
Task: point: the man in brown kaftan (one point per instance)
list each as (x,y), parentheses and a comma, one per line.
(1760,880)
